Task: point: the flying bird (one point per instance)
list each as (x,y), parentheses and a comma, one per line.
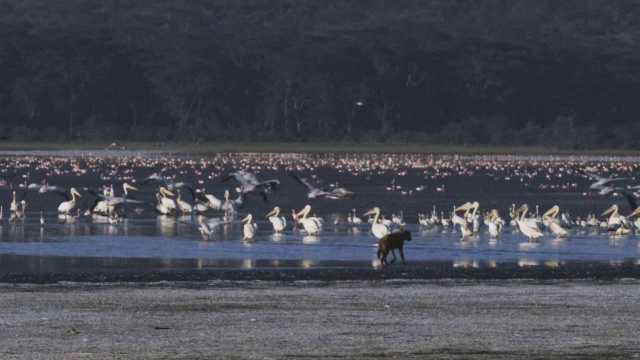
(169,183)
(249,183)
(315,192)
(600,181)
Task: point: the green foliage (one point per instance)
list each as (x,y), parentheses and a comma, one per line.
(437,72)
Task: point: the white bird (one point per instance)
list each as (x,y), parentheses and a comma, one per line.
(14,204)
(167,202)
(355,219)
(233,205)
(495,226)
(311,225)
(599,180)
(467,222)
(204,228)
(379,230)
(616,223)
(108,204)
(279,223)
(249,183)
(184,206)
(249,229)
(43,188)
(169,183)
(315,192)
(529,227)
(68,205)
(557,225)
(210,201)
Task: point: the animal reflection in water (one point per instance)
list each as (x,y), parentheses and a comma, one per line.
(391,242)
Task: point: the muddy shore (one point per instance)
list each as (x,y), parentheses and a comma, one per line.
(322,314)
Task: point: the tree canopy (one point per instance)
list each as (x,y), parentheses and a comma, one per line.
(561,74)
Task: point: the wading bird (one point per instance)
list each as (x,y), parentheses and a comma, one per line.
(68,205)
(378,229)
(311,225)
(279,223)
(249,229)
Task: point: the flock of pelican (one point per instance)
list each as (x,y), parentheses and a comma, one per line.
(179,187)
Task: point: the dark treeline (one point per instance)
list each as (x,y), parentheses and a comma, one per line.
(553,73)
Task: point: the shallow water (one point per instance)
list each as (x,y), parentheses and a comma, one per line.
(395,183)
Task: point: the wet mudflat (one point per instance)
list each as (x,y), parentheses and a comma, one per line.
(301,319)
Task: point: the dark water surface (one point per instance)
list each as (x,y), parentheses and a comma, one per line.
(407,184)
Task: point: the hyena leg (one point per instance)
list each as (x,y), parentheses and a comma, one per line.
(393,253)
(402,256)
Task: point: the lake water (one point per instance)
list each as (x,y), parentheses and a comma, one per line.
(407,184)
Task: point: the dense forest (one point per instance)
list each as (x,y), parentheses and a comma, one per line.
(564,74)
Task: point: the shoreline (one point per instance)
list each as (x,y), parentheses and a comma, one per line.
(297,147)
(599,271)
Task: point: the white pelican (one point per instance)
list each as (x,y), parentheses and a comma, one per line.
(469,222)
(249,183)
(557,225)
(43,188)
(495,226)
(168,203)
(460,220)
(67,206)
(204,228)
(314,192)
(311,225)
(184,206)
(108,203)
(444,221)
(529,227)
(478,219)
(279,223)
(249,229)
(209,201)
(160,207)
(231,205)
(100,205)
(379,230)
(600,182)
(169,183)
(617,224)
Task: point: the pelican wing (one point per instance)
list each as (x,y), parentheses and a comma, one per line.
(601,180)
(591,175)
(631,199)
(313,191)
(46,188)
(304,182)
(183,185)
(154,178)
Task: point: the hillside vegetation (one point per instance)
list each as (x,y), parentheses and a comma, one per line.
(560,74)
